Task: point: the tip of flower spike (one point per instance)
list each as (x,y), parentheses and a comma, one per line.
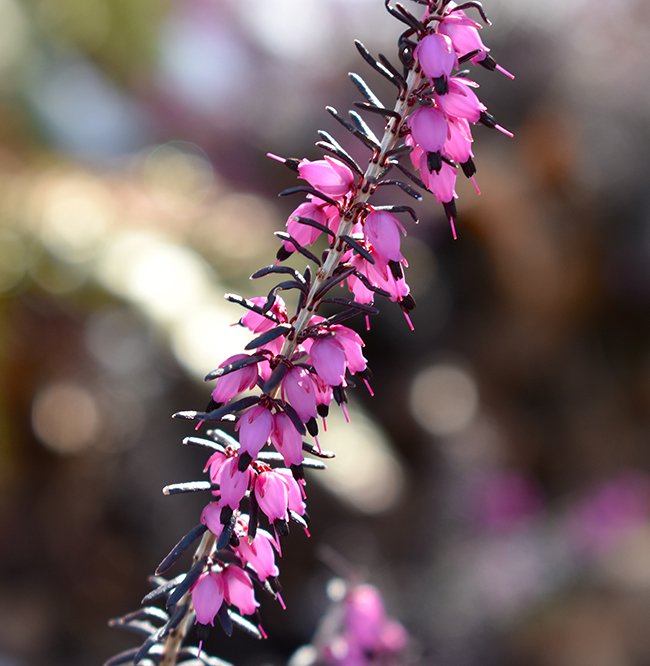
(503,70)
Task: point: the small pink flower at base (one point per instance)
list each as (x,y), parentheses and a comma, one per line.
(328,358)
(259,324)
(233,383)
(428,127)
(286,439)
(328,176)
(259,554)
(299,391)
(238,589)
(384,231)
(207,597)
(233,484)
(254,427)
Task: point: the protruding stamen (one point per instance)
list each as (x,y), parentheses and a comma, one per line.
(408,320)
(307,532)
(503,70)
(505,131)
(453,228)
(367,323)
(198,426)
(281,601)
(476,187)
(264,634)
(367,383)
(345,412)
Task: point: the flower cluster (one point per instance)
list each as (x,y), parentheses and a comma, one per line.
(277,391)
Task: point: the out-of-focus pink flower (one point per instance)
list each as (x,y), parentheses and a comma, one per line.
(286,439)
(428,127)
(254,428)
(257,323)
(364,615)
(329,176)
(328,358)
(384,231)
(299,391)
(233,383)
(238,589)
(207,597)
(436,56)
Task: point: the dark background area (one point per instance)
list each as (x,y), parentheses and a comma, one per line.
(496,488)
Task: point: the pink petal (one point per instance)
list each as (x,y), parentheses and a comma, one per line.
(207,597)
(382,229)
(429,128)
(436,55)
(254,428)
(328,359)
(238,589)
(287,439)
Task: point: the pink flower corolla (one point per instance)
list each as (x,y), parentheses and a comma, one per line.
(383,230)
(257,323)
(428,127)
(277,492)
(211,518)
(303,233)
(254,428)
(207,597)
(214,464)
(286,439)
(230,385)
(436,56)
(329,176)
(233,483)
(238,589)
(328,358)
(461,101)
(464,35)
(299,391)
(259,554)
(442,184)
(378,275)
(352,348)
(458,146)
(364,615)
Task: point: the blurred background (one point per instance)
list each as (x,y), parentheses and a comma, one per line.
(496,488)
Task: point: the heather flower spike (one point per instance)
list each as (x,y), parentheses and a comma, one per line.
(274,394)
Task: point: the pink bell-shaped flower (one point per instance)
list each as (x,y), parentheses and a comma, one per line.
(461,101)
(286,439)
(383,230)
(428,127)
(207,597)
(254,428)
(238,589)
(441,184)
(233,483)
(298,390)
(259,554)
(259,324)
(365,615)
(214,464)
(295,496)
(233,383)
(458,146)
(464,35)
(436,56)
(303,233)
(352,345)
(328,358)
(272,495)
(329,176)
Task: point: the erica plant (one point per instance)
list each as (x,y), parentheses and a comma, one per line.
(276,394)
